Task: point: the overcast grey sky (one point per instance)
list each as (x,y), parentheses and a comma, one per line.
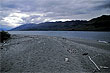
(17,12)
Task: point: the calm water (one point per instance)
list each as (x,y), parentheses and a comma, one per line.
(103,36)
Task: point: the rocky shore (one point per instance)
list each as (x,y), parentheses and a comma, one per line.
(45,54)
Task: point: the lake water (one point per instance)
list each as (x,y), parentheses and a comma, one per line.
(91,35)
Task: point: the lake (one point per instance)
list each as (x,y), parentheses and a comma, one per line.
(91,35)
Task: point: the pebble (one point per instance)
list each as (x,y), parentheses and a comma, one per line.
(1,48)
(85,54)
(66,59)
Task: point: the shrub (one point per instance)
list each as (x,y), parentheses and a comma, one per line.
(4,36)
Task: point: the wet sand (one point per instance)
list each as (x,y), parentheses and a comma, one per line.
(45,54)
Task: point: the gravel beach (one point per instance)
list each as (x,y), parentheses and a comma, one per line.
(45,54)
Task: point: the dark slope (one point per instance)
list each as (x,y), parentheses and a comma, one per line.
(96,24)
(99,24)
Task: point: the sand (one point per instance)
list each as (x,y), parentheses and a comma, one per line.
(45,54)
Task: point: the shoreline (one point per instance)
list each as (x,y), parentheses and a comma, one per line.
(38,53)
(84,35)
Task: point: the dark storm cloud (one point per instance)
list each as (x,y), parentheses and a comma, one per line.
(53,9)
(57,6)
(106,5)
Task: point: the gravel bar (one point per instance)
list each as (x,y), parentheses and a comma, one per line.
(46,54)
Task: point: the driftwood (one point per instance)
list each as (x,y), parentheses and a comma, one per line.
(94,63)
(104,67)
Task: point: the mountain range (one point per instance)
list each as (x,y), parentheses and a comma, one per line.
(101,23)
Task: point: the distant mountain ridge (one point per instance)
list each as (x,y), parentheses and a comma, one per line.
(96,24)
(68,25)
(3,29)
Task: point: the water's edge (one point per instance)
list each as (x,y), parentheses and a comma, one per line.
(91,35)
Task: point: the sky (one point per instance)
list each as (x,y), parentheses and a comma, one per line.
(14,13)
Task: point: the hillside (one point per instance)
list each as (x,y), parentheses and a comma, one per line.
(96,24)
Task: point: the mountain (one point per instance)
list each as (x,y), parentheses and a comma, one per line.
(4,27)
(68,25)
(1,29)
(101,23)
(98,24)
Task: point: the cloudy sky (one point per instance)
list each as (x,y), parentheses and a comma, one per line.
(17,12)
